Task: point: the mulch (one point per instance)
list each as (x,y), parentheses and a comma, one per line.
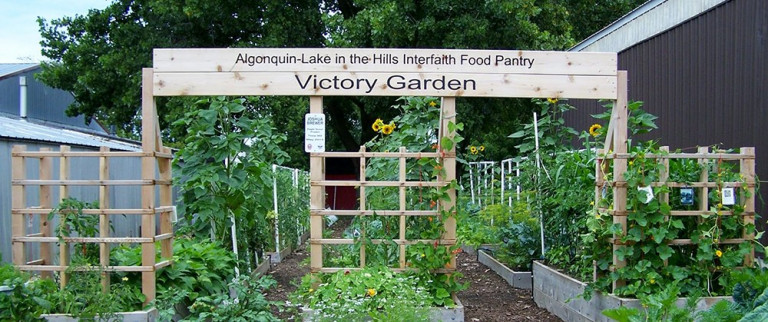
(488,298)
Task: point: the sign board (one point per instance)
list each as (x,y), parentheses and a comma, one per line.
(384,72)
(314,132)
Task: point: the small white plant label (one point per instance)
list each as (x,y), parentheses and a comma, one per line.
(686,196)
(648,193)
(314,132)
(729,199)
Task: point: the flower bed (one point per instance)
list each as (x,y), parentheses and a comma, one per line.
(561,295)
(513,278)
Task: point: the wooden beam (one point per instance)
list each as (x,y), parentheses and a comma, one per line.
(148,145)
(401,193)
(371,212)
(166,200)
(392,155)
(362,202)
(448,116)
(46,173)
(620,166)
(104,218)
(63,194)
(18,196)
(316,194)
(747,172)
(143,182)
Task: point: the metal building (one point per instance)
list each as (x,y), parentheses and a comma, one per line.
(701,66)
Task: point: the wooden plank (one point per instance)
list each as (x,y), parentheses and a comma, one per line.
(599,185)
(663,177)
(18,200)
(94,240)
(48,153)
(46,173)
(166,200)
(148,145)
(672,184)
(362,178)
(324,212)
(62,269)
(620,166)
(162,264)
(316,194)
(394,269)
(448,116)
(383,60)
(63,194)
(357,183)
(401,192)
(350,241)
(88,211)
(144,182)
(381,84)
(698,155)
(165,236)
(747,172)
(393,155)
(104,218)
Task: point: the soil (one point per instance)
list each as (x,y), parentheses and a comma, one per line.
(488,298)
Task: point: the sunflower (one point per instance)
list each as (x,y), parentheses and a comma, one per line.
(481,148)
(594,129)
(552,100)
(377,125)
(473,149)
(387,129)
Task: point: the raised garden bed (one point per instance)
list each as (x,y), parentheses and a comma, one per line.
(137,316)
(559,294)
(437,314)
(515,279)
(277,257)
(472,250)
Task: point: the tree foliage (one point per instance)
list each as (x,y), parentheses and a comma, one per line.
(98,56)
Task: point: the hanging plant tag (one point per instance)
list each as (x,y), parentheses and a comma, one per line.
(686,196)
(648,194)
(729,199)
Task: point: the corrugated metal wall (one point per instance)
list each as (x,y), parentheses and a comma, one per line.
(80,168)
(706,79)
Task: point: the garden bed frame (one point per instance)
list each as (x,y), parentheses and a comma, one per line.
(515,279)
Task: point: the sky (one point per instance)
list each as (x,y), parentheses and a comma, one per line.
(19,32)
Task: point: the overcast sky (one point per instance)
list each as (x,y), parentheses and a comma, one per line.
(19,32)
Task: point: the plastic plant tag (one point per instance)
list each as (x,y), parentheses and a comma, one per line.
(729,199)
(356,233)
(686,196)
(648,193)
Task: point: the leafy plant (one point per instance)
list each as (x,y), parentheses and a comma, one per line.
(72,221)
(246,302)
(660,306)
(25,298)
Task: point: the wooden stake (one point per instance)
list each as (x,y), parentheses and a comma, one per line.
(747,171)
(362,204)
(148,144)
(448,107)
(316,195)
(64,194)
(402,206)
(46,173)
(166,200)
(619,167)
(19,170)
(104,219)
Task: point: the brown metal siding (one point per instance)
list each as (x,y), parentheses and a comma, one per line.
(706,79)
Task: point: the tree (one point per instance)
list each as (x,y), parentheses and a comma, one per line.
(98,56)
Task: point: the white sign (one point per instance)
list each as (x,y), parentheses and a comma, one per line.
(314,132)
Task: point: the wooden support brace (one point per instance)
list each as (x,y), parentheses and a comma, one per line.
(104,219)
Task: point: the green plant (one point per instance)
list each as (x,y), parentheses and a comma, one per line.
(25,298)
(660,306)
(246,302)
(372,292)
(521,241)
(83,297)
(73,221)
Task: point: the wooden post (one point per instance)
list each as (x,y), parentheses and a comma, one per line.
(316,196)
(19,171)
(449,165)
(747,171)
(63,194)
(148,144)
(703,195)
(663,178)
(401,177)
(46,173)
(619,167)
(104,218)
(362,203)
(166,200)
(599,182)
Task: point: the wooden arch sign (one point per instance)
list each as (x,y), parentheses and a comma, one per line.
(446,73)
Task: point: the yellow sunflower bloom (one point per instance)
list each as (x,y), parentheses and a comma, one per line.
(593,130)
(377,125)
(719,253)
(387,129)
(481,148)
(552,100)
(473,149)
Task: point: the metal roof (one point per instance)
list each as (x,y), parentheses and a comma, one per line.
(24,130)
(12,69)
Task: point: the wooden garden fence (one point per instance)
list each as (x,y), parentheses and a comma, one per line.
(149,184)
(745,159)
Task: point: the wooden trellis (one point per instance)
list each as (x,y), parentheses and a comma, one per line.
(45,237)
(318,72)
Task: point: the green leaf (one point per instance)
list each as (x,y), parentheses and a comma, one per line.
(664,251)
(517,134)
(623,314)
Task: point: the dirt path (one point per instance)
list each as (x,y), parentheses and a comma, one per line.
(489,297)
